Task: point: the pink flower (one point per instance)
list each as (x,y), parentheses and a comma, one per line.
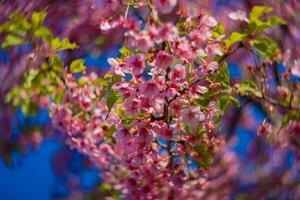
(143,135)
(196,90)
(167,32)
(200,36)
(122,133)
(163,60)
(105,25)
(283,92)
(125,89)
(122,136)
(209,21)
(115,66)
(149,89)
(192,117)
(264,129)
(170,92)
(182,49)
(61,116)
(296,68)
(132,106)
(165,6)
(211,66)
(212,50)
(178,73)
(146,103)
(201,89)
(162,130)
(136,63)
(176,107)
(238,15)
(143,42)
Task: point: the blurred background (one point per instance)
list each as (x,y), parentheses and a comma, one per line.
(36,164)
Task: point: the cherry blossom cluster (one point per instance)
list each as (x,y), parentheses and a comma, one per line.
(152,122)
(142,141)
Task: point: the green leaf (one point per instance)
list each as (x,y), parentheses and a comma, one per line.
(125,52)
(12,93)
(43,33)
(258,11)
(113,97)
(234,38)
(82,81)
(37,19)
(108,75)
(59,96)
(242,196)
(29,108)
(203,151)
(288,117)
(235,101)
(276,20)
(223,103)
(221,75)
(12,40)
(77,66)
(56,63)
(64,44)
(248,87)
(219,30)
(99,82)
(108,85)
(266,47)
(256,24)
(29,77)
(17,25)
(206,97)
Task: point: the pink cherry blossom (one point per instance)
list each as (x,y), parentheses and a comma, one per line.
(238,15)
(163,60)
(149,89)
(178,73)
(192,117)
(264,129)
(283,92)
(132,106)
(296,68)
(136,64)
(165,6)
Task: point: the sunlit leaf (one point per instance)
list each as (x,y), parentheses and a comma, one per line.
(234,38)
(113,97)
(12,40)
(64,44)
(77,66)
(37,19)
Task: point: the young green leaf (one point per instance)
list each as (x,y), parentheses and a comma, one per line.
(125,52)
(17,24)
(218,31)
(234,38)
(223,103)
(43,33)
(77,66)
(64,44)
(12,40)
(37,19)
(258,11)
(248,87)
(266,47)
(113,97)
